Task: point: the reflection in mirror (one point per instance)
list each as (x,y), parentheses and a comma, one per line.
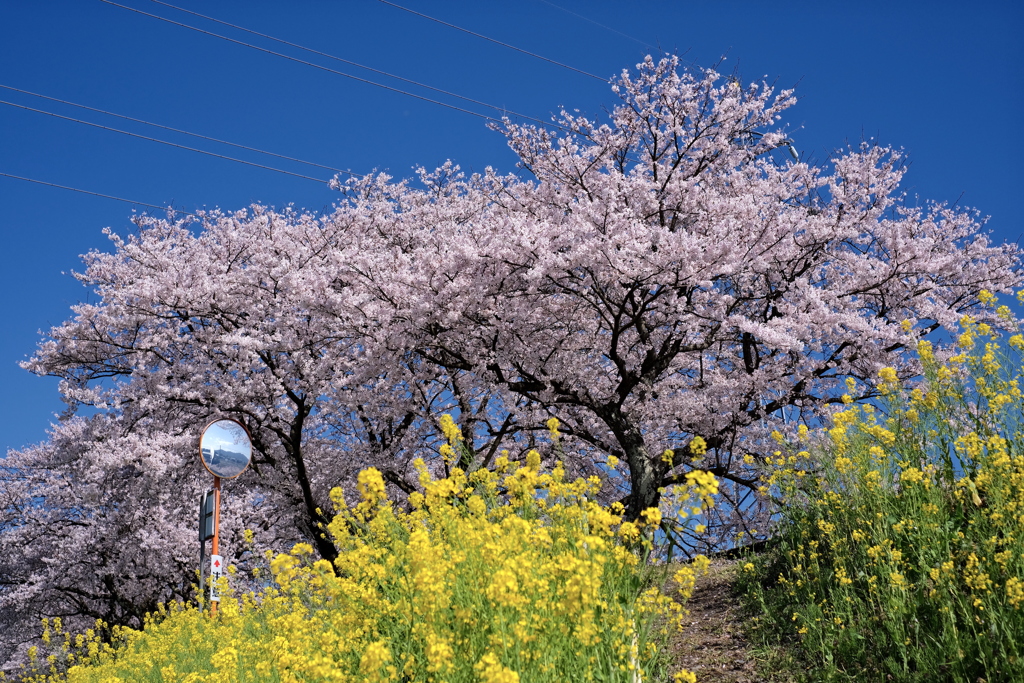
(226,448)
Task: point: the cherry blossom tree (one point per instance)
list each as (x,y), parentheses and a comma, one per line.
(672,274)
(670,284)
(192,323)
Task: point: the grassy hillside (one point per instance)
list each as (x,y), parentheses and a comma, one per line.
(900,554)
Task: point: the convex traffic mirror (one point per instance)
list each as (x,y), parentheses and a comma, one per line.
(225,448)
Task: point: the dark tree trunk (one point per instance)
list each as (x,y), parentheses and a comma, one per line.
(315,521)
(645,477)
(646,473)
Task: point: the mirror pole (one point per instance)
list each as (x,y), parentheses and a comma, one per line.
(215,542)
(202,549)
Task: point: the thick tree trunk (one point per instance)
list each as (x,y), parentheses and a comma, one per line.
(645,477)
(315,521)
(645,472)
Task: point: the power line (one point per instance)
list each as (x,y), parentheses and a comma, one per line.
(98,194)
(498,42)
(175,130)
(596,23)
(165,142)
(303,61)
(355,64)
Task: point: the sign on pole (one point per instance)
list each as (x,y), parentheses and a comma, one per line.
(206,512)
(216,566)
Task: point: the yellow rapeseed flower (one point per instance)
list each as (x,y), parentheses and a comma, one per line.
(651,516)
(451,430)
(374,658)
(552,425)
(1015,591)
(370,484)
(491,670)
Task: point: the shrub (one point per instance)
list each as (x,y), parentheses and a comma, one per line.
(495,575)
(901,545)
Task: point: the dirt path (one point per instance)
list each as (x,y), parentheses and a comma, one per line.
(713,644)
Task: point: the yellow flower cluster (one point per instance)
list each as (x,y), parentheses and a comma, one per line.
(450,429)
(495,576)
(903,549)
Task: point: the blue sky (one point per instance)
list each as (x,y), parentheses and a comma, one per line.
(944,80)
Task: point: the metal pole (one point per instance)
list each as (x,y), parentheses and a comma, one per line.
(215,543)
(202,549)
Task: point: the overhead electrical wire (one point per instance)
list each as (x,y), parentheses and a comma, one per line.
(97,194)
(492,40)
(170,144)
(303,61)
(175,130)
(290,58)
(504,110)
(597,23)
